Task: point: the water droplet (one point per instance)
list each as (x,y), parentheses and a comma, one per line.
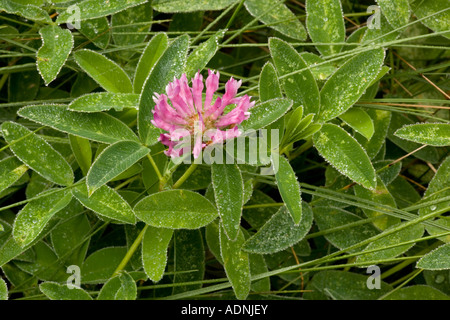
(433,208)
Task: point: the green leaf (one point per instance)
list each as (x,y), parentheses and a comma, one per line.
(114,160)
(342,285)
(97,30)
(288,186)
(280,232)
(152,52)
(130,27)
(56,46)
(329,218)
(100,265)
(435,21)
(171,64)
(108,74)
(56,291)
(104,101)
(154,251)
(236,263)
(417,292)
(176,209)
(320,68)
(381,120)
(277,15)
(121,287)
(200,57)
(382,196)
(269,86)
(349,82)
(96,126)
(32,219)
(360,121)
(213,239)
(433,134)
(379,34)
(438,259)
(301,86)
(438,189)
(68,239)
(325,23)
(3,290)
(91,9)
(45,265)
(189,258)
(37,154)
(27,11)
(82,151)
(413,232)
(228,192)
(389,172)
(106,202)
(397,12)
(345,154)
(398,121)
(11,169)
(169,6)
(266,113)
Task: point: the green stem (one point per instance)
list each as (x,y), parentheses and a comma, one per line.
(234,14)
(186,175)
(130,252)
(155,167)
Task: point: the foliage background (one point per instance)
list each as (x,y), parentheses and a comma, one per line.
(284,52)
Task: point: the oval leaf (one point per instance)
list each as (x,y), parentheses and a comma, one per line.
(433,134)
(236,263)
(228,193)
(438,259)
(349,83)
(301,86)
(106,202)
(200,57)
(360,121)
(56,46)
(280,232)
(32,219)
(176,209)
(91,9)
(278,16)
(56,291)
(266,113)
(170,6)
(37,154)
(121,287)
(413,232)
(154,251)
(96,126)
(101,264)
(325,23)
(114,160)
(288,186)
(152,52)
(104,101)
(345,154)
(11,169)
(108,74)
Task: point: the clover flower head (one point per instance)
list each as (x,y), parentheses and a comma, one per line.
(183,113)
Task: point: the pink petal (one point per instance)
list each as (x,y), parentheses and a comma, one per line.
(197,89)
(212,84)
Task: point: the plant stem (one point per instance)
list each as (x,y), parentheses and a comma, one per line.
(130,252)
(155,167)
(186,175)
